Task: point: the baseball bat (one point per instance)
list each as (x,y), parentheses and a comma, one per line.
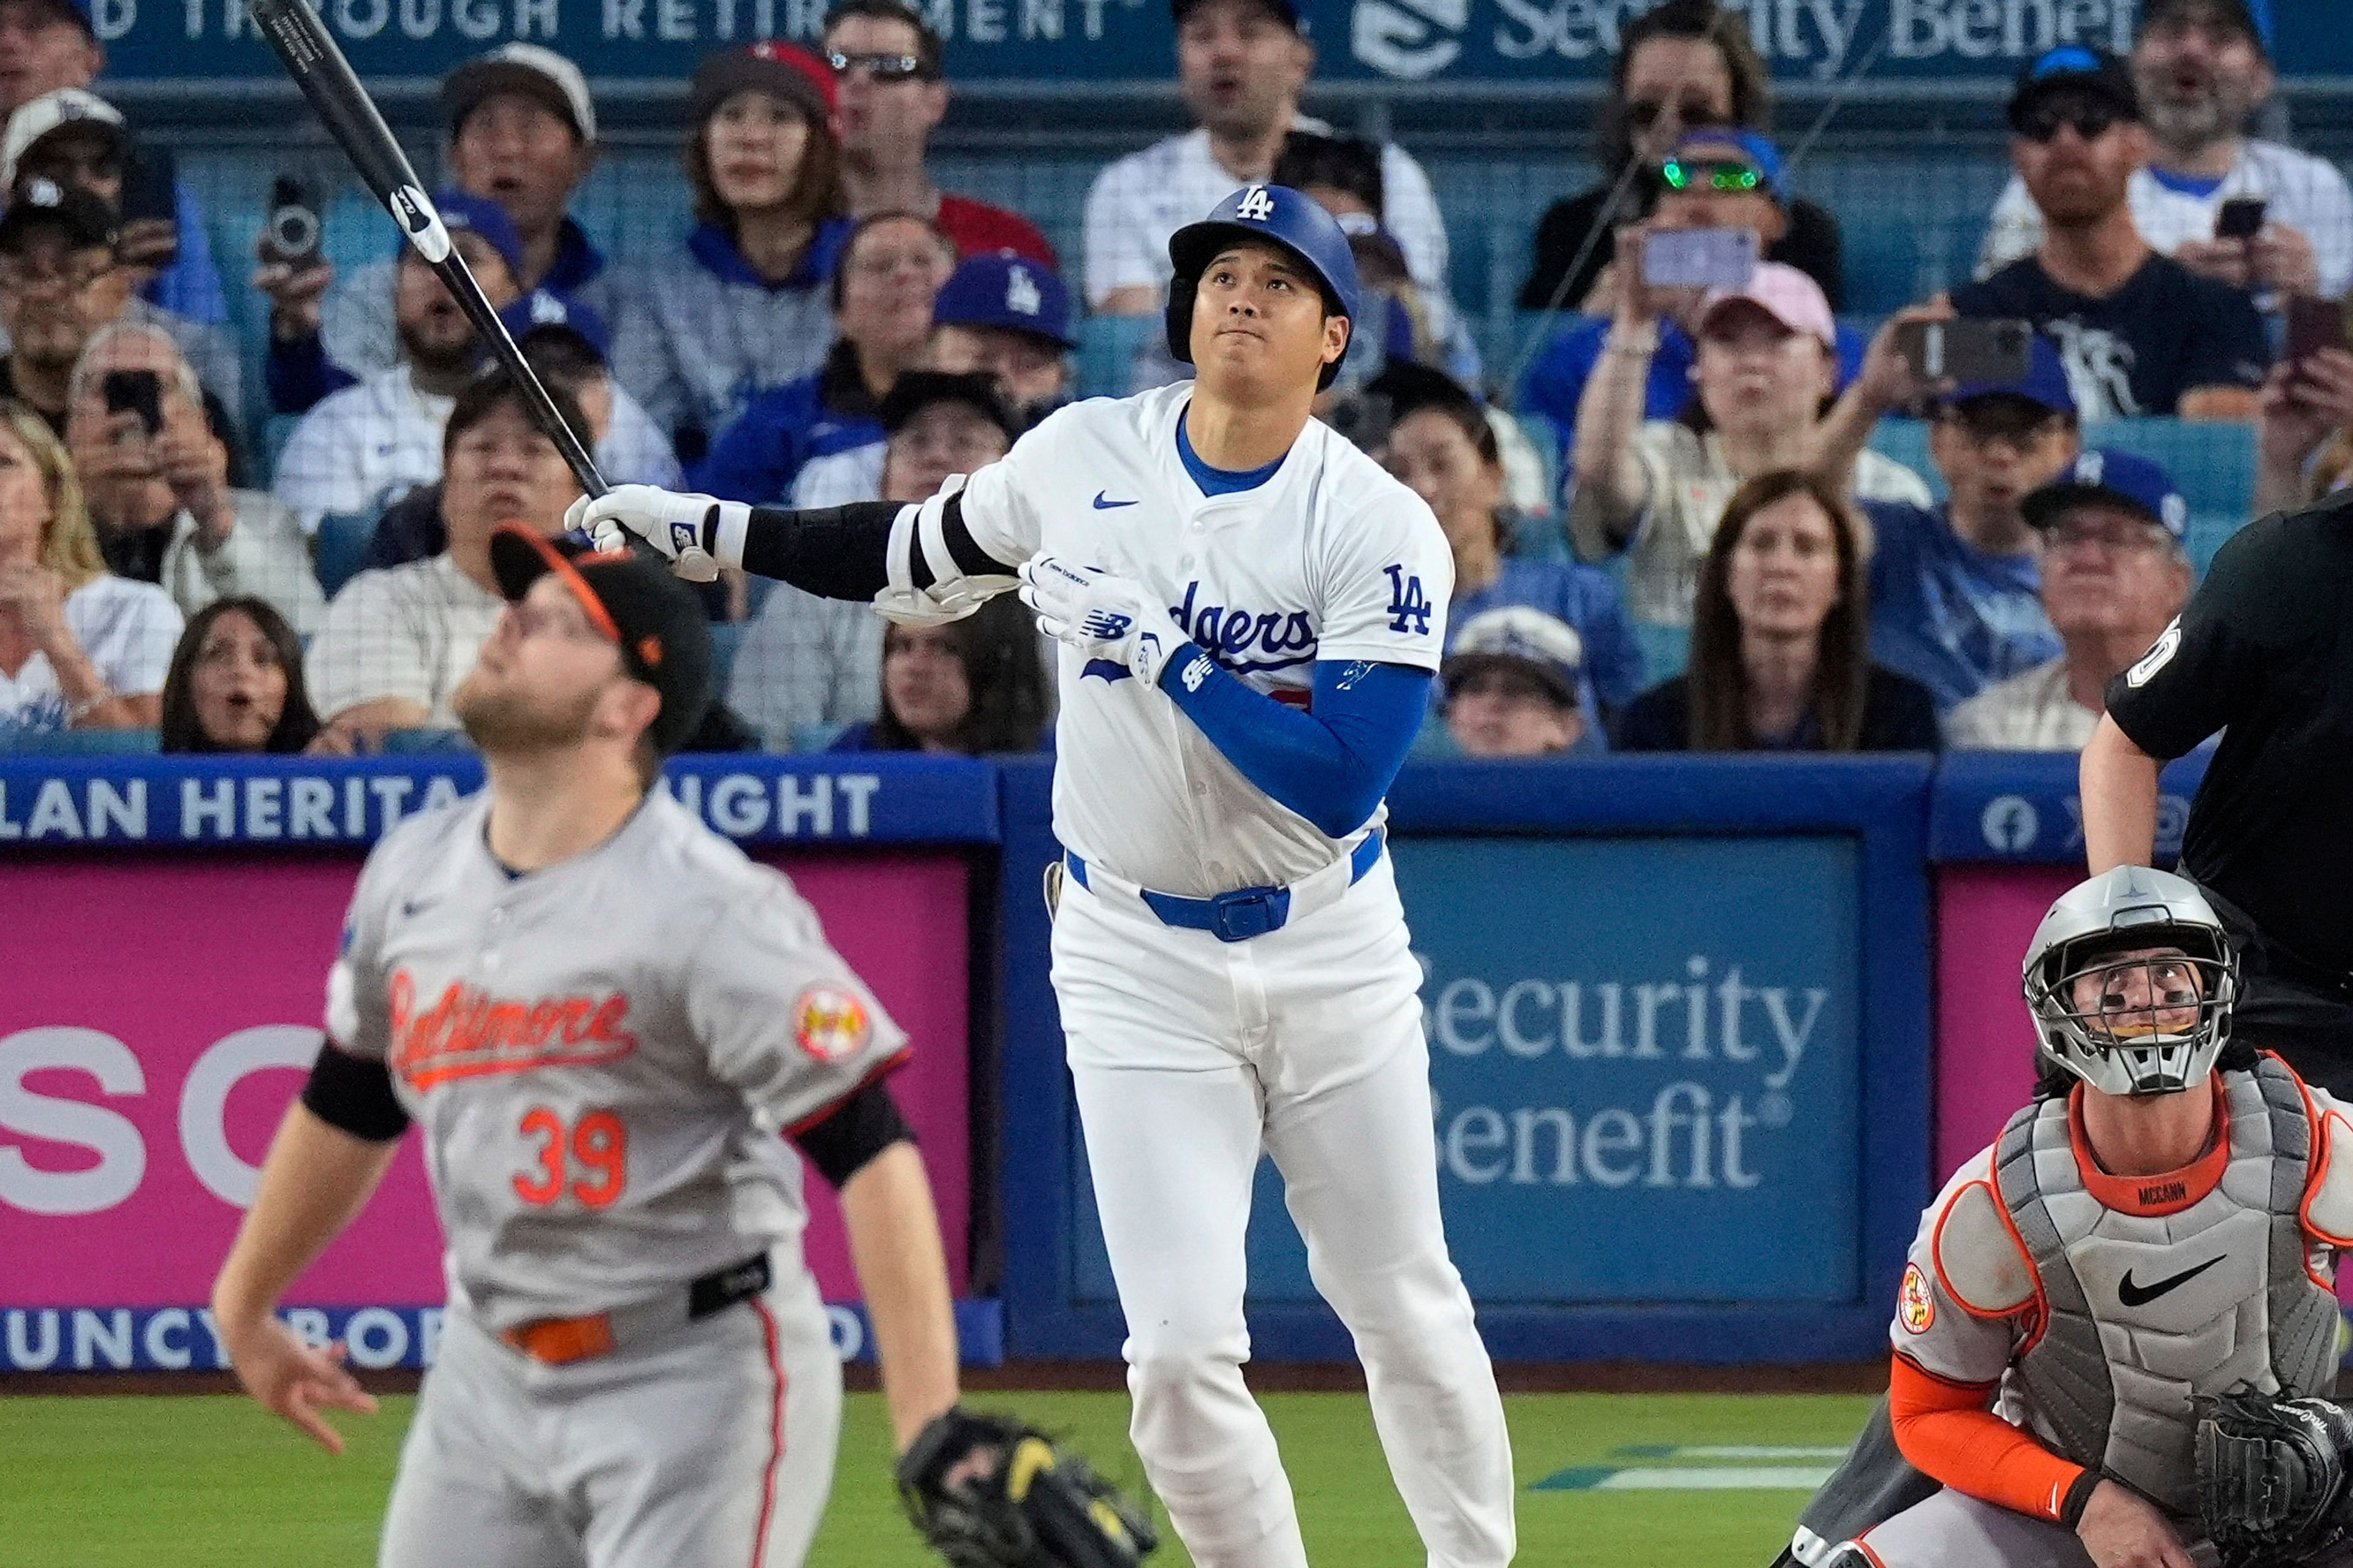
(312,59)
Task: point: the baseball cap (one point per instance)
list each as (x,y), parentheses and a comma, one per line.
(36,117)
(2074,68)
(485,218)
(2235,14)
(2044,384)
(917,390)
(76,12)
(545,309)
(1783,292)
(86,219)
(2105,474)
(1751,147)
(1283,11)
(780,71)
(1009,291)
(652,617)
(1523,637)
(539,74)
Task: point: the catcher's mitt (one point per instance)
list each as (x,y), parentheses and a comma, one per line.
(2271,1476)
(988,1491)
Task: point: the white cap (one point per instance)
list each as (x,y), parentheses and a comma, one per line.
(36,118)
(537,73)
(1546,646)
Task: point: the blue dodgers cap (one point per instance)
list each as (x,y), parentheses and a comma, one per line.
(1754,147)
(1273,213)
(484,218)
(2123,477)
(544,308)
(1009,291)
(2044,384)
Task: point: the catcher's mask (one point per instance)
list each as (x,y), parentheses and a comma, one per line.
(2130,979)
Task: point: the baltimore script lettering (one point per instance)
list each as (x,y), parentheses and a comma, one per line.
(467,1033)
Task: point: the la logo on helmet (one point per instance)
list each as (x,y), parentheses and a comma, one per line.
(1257,204)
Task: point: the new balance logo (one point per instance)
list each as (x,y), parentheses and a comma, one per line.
(685,536)
(1193,674)
(1257,206)
(1103,624)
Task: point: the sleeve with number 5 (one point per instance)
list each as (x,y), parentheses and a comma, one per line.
(780,1015)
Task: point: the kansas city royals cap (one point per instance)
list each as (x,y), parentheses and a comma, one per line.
(2044,384)
(541,75)
(2076,68)
(36,117)
(652,617)
(1009,292)
(85,218)
(2123,478)
(1520,637)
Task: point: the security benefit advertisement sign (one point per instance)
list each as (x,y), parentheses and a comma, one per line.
(1644,1068)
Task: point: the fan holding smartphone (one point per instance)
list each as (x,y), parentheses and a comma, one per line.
(2304,444)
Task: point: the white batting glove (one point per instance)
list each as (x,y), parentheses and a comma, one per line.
(1101,615)
(697,534)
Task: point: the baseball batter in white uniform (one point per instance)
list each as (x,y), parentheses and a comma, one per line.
(606,1020)
(1250,611)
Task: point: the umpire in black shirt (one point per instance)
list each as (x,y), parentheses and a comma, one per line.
(2265,653)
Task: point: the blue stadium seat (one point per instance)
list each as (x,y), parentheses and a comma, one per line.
(1666,650)
(1105,364)
(80,742)
(816,737)
(340,550)
(408,741)
(726,642)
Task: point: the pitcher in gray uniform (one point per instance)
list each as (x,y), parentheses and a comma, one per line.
(2161,1225)
(607,1021)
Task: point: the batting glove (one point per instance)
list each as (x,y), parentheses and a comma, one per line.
(1104,616)
(696,534)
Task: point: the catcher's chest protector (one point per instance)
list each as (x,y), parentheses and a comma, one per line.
(2147,1312)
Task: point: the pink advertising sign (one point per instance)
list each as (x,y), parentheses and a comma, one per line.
(158,1015)
(1985,1041)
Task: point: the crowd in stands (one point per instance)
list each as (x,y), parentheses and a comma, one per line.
(1679,531)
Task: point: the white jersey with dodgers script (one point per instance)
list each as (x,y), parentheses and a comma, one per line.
(1330,559)
(600,1054)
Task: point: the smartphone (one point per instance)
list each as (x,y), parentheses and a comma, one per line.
(291,235)
(139,392)
(2314,325)
(1700,258)
(1969,352)
(151,195)
(2241,217)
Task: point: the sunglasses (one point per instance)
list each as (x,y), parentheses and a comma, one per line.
(2090,121)
(879,68)
(1644,113)
(1725,178)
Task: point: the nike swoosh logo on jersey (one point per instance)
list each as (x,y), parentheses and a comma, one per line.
(1103,504)
(2133,1295)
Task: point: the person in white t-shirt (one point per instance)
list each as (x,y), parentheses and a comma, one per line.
(80,648)
(2200,70)
(2108,541)
(399,640)
(1766,366)
(1242,64)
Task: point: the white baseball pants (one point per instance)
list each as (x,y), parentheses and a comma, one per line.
(1190,1057)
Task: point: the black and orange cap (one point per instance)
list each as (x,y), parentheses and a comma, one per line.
(652,617)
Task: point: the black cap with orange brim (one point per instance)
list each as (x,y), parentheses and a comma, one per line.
(653,618)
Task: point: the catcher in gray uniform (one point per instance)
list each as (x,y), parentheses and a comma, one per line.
(2117,1328)
(603,1015)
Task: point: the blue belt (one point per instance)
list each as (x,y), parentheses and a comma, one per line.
(1243,913)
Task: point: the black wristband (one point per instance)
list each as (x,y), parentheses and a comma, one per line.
(354,1094)
(835,552)
(2079,1498)
(853,1133)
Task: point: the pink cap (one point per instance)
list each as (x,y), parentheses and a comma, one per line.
(1783,292)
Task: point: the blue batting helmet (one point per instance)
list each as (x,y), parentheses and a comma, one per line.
(1273,213)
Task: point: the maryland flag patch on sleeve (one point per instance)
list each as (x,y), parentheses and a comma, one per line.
(1916,1309)
(830,1024)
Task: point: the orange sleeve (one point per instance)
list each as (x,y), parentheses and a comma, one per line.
(1949,1433)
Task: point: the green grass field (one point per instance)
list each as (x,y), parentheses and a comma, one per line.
(211,1482)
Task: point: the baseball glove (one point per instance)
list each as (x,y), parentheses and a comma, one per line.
(990,1491)
(2271,1477)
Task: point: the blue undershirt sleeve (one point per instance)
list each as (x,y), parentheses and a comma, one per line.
(1332,765)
